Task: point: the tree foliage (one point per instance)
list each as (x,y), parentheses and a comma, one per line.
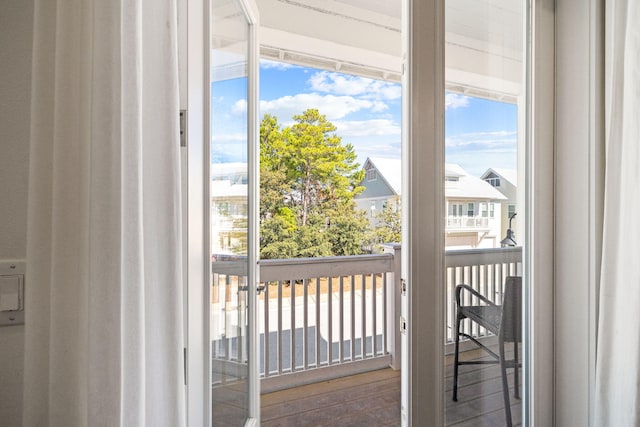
(308,180)
(389,228)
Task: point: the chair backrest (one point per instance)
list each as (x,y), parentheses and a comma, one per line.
(511,323)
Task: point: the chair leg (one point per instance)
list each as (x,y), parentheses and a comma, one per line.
(455,360)
(505,385)
(516,376)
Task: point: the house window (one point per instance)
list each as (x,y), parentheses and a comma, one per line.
(494,181)
(470,210)
(483,210)
(492,212)
(372,209)
(511,210)
(372,174)
(455,209)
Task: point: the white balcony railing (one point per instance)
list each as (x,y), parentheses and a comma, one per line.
(342,312)
(327,312)
(467,222)
(485,270)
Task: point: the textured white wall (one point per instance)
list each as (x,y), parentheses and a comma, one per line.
(16,28)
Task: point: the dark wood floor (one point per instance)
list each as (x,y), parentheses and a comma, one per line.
(370,399)
(373,399)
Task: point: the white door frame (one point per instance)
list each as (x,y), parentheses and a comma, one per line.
(197,269)
(539,179)
(422,401)
(195,79)
(580,136)
(253,239)
(423,161)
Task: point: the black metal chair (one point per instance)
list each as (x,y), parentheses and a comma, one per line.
(505,321)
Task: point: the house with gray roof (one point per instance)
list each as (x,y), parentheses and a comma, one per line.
(506,182)
(473,206)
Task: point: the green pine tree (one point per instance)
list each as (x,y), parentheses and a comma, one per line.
(308,181)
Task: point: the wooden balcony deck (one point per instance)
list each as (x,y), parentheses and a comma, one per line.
(373,399)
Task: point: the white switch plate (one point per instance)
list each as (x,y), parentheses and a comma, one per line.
(11,292)
(10,271)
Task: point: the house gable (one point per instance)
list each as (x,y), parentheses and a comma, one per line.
(382,179)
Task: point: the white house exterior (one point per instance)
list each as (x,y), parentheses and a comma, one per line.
(228,204)
(506,182)
(473,211)
(473,206)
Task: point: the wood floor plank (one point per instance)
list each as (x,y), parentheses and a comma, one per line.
(328,386)
(373,400)
(331,398)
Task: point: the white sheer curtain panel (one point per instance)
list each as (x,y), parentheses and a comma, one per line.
(618,354)
(103,339)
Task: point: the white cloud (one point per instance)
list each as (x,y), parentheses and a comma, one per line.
(379,107)
(229,137)
(360,128)
(484,140)
(267,63)
(342,84)
(239,107)
(454,100)
(334,107)
(367,147)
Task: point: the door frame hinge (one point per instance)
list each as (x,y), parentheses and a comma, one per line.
(403,325)
(184,355)
(183,128)
(403,287)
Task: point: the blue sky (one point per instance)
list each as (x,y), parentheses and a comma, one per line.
(367,113)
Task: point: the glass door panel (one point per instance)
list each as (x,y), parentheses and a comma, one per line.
(484,188)
(229,221)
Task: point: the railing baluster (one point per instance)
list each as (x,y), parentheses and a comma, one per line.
(363,343)
(467,272)
(498,290)
(279,327)
(292,337)
(341,340)
(266,330)
(503,274)
(374,295)
(240,308)
(227,303)
(482,290)
(451,288)
(353,318)
(330,317)
(384,314)
(317,322)
(305,324)
(475,271)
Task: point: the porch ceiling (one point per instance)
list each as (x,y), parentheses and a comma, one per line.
(363,37)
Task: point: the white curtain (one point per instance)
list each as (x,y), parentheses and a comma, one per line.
(618,355)
(103,339)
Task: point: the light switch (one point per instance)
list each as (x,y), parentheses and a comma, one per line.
(12,285)
(10,293)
